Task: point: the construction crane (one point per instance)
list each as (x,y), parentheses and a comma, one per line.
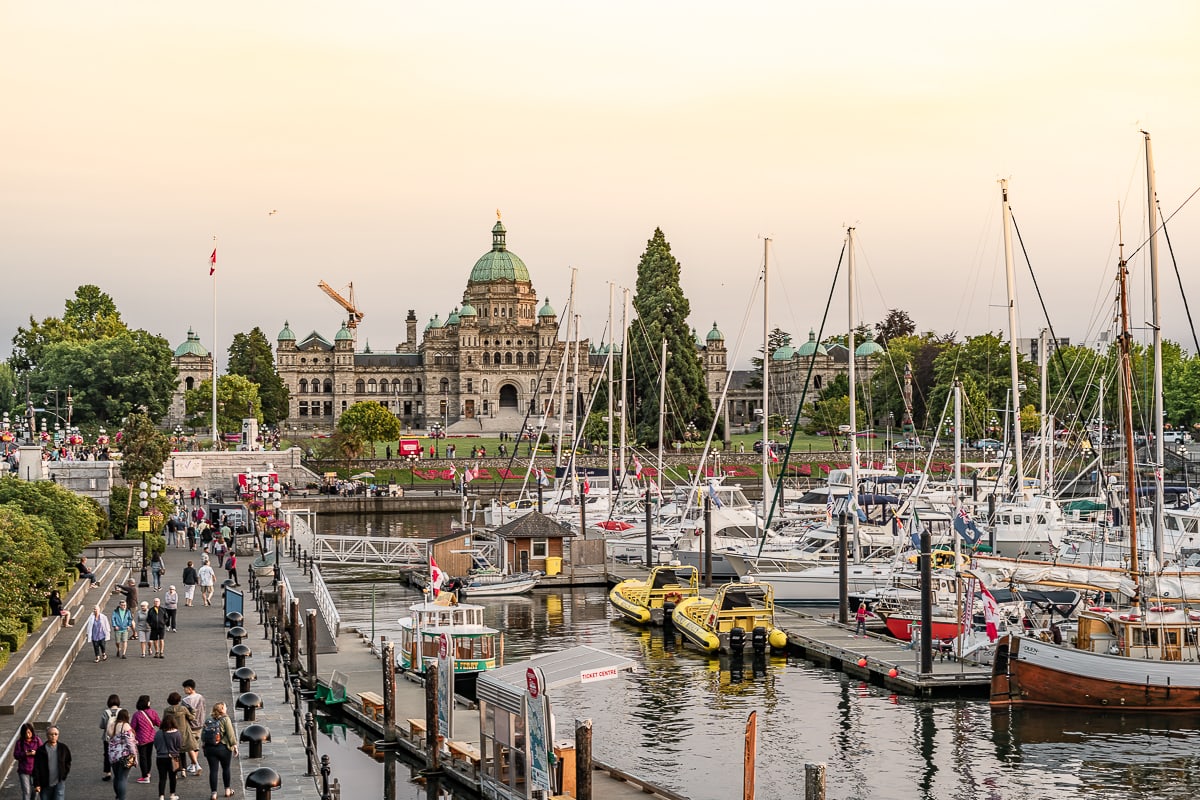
(355,315)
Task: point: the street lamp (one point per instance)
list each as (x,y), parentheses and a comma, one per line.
(412,459)
(1183,456)
(143,503)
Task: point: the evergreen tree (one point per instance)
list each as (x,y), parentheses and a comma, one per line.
(250,356)
(662,313)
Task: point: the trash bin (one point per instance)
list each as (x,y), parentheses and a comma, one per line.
(553,565)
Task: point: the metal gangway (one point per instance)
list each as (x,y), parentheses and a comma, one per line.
(368,550)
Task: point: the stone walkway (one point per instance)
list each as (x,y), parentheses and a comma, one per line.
(199,650)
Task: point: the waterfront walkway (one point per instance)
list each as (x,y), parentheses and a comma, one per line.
(200,651)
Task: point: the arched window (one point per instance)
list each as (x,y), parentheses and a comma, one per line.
(419,389)
(445,385)
(408,385)
(485,386)
(532,358)
(485,358)
(383,387)
(360,386)
(496,359)
(470,386)
(370,386)
(304,388)
(189,384)
(437,360)
(533,386)
(508,358)
(304,408)
(328,386)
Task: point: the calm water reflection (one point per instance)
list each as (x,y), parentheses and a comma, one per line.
(679,720)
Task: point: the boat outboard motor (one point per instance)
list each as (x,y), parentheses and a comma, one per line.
(669,621)
(758,640)
(737,642)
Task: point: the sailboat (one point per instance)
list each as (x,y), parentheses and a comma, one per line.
(1134,659)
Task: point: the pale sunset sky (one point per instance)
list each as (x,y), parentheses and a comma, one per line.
(384,136)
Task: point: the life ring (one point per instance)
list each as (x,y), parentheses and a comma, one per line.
(1130,617)
(672,597)
(1194,616)
(1161,609)
(1100,609)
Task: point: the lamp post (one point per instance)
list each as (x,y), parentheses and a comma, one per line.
(1183,456)
(891,420)
(143,503)
(412,459)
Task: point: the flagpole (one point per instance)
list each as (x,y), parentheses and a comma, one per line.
(213,275)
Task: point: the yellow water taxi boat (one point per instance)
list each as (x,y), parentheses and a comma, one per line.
(706,623)
(641,601)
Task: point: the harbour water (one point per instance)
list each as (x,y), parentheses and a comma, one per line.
(678,721)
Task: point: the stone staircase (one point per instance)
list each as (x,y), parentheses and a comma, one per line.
(30,680)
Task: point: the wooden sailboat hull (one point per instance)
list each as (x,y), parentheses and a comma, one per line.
(1029,672)
(900,625)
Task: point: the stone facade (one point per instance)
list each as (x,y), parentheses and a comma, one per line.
(195,365)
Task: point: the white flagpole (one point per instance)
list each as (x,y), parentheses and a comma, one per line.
(213,268)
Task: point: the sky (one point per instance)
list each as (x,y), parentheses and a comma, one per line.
(373,143)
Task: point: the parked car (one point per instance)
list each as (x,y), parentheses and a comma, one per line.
(908,444)
(1177,437)
(775,446)
(988,444)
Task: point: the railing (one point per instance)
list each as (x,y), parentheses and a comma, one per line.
(303,536)
(369,550)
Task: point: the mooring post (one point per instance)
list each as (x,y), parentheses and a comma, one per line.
(583,759)
(310,633)
(294,643)
(389,691)
(814,782)
(432,756)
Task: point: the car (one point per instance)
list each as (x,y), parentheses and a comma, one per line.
(1176,437)
(908,444)
(776,446)
(989,444)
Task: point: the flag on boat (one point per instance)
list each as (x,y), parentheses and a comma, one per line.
(637,468)
(991,613)
(712,495)
(829,510)
(915,536)
(966,527)
(470,474)
(542,478)
(212,262)
(436,576)
(587,487)
(774,455)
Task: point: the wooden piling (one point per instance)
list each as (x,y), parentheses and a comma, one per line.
(583,759)
(294,632)
(814,782)
(389,691)
(432,754)
(310,644)
(750,754)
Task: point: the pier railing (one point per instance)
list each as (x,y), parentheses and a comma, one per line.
(304,536)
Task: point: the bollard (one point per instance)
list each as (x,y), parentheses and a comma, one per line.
(262,781)
(249,703)
(237,633)
(244,676)
(234,619)
(310,745)
(270,634)
(240,652)
(296,702)
(325,770)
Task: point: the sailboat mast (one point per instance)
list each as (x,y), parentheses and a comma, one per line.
(562,395)
(1127,428)
(624,367)
(766,387)
(1156,326)
(1010,276)
(662,413)
(852,497)
(612,485)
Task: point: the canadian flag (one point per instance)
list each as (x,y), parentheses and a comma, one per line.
(587,487)
(212,262)
(637,468)
(774,455)
(470,474)
(436,576)
(991,614)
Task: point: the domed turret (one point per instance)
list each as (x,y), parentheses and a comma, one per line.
(467,310)
(286,334)
(434,323)
(547,310)
(715,335)
(452,318)
(192,346)
(344,335)
(785,351)
(499,264)
(868,348)
(811,347)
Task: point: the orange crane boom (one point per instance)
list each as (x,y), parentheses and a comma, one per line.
(355,316)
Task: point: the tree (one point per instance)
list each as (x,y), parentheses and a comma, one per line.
(74,520)
(369,422)
(144,450)
(776,339)
(896,323)
(237,399)
(250,356)
(662,313)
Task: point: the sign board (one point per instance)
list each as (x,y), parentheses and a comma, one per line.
(409,447)
(604,674)
(537,723)
(143,524)
(188,467)
(445,686)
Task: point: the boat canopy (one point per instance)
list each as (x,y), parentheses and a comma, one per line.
(506,686)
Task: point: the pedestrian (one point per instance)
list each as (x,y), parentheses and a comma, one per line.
(231,567)
(157,567)
(185,719)
(171,607)
(122,752)
(122,627)
(195,701)
(24,752)
(190,579)
(85,571)
(172,531)
(129,589)
(208,580)
(218,550)
(219,740)
(57,610)
(145,722)
(108,720)
(167,744)
(99,632)
(191,537)
(860,619)
(51,766)
(141,625)
(157,620)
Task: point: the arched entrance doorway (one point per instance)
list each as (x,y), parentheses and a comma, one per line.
(508,396)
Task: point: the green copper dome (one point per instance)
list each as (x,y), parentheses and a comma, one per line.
(192,346)
(434,323)
(811,346)
(499,264)
(286,334)
(344,334)
(547,310)
(452,318)
(468,310)
(715,335)
(785,351)
(868,348)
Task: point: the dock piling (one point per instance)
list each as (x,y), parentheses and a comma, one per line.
(814,782)
(583,759)
(389,691)
(310,644)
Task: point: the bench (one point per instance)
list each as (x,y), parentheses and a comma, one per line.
(372,704)
(467,753)
(335,692)
(416,731)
